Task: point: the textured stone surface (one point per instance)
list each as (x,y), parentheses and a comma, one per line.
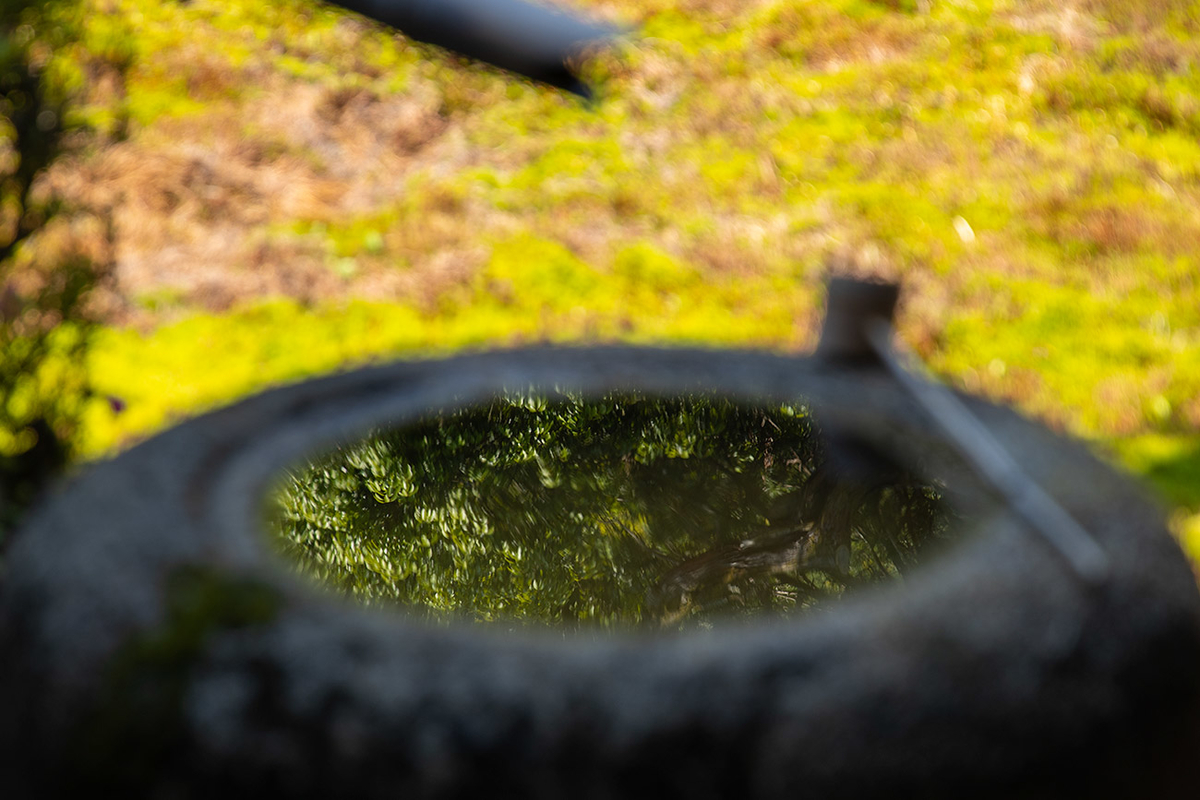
(149,641)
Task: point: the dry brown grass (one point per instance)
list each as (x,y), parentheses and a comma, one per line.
(803,32)
(197,201)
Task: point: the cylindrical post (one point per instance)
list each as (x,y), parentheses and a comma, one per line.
(530,40)
(851,306)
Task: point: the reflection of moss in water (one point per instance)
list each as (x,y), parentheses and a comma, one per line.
(137,724)
(612,512)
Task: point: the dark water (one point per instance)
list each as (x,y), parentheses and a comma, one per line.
(619,513)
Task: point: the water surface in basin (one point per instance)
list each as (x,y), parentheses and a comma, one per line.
(624,512)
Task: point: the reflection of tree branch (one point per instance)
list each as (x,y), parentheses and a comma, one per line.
(704,578)
(802,584)
(825,515)
(877,566)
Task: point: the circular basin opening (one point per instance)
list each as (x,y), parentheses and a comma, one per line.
(627,511)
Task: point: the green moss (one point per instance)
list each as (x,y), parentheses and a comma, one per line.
(646,267)
(1187,528)
(1170,463)
(539,275)
(730,154)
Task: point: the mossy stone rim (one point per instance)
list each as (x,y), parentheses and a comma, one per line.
(996,672)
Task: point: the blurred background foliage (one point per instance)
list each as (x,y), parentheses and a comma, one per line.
(46,270)
(290,190)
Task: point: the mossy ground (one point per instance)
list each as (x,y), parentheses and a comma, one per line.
(296,190)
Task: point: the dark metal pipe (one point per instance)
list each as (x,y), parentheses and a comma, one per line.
(531,40)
